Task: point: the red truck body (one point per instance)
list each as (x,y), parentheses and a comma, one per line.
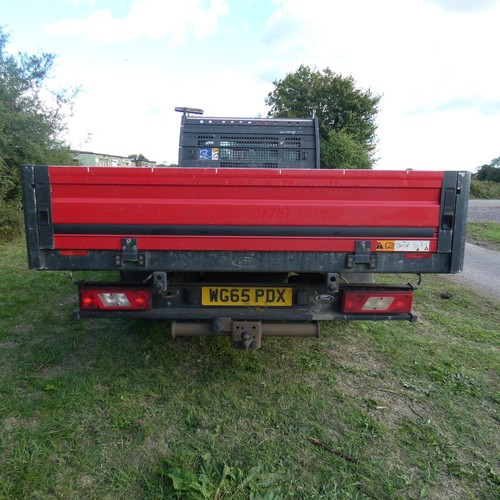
(172,233)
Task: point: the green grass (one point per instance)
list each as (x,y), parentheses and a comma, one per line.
(117,409)
(484,233)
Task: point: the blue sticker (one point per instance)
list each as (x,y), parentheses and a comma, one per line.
(208,154)
(205,154)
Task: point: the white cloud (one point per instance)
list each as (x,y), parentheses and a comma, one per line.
(463,5)
(436,69)
(446,140)
(151,19)
(138,113)
(390,44)
(76,3)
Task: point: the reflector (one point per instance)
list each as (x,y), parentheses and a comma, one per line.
(377,303)
(74,253)
(418,255)
(114,299)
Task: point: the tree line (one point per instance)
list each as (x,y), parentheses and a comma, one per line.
(489,172)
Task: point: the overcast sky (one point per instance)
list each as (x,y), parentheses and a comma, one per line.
(436,63)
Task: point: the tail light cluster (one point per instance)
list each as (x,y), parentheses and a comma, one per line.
(370,302)
(117,299)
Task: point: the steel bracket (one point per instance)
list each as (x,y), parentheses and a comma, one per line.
(130,253)
(362,255)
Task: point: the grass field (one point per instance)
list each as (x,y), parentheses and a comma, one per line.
(117,409)
(486,234)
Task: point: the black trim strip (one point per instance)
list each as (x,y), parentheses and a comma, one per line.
(273,231)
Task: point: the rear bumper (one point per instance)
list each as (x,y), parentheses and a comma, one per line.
(309,302)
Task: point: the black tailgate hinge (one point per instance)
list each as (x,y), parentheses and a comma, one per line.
(130,253)
(362,255)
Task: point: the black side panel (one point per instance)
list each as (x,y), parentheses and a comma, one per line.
(453,217)
(37,212)
(461,209)
(447,215)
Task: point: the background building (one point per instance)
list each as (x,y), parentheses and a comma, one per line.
(90,159)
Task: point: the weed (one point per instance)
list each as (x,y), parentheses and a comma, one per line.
(190,476)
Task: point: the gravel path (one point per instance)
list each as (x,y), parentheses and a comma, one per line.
(482,265)
(480,270)
(484,211)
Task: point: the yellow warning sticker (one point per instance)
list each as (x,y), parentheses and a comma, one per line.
(402,246)
(385,246)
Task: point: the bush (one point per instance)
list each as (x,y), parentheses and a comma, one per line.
(340,150)
(11,219)
(485,189)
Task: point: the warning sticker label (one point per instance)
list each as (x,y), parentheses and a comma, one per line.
(403,246)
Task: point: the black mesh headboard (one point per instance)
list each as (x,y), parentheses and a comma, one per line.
(248,142)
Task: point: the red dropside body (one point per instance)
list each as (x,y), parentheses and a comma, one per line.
(196,209)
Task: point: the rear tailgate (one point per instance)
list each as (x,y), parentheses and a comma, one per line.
(245,219)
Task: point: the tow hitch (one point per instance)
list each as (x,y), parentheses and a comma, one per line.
(246,335)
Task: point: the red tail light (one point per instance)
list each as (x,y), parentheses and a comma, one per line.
(377,302)
(118,299)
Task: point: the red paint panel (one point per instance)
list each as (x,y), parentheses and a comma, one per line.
(270,244)
(241,197)
(113,176)
(238,213)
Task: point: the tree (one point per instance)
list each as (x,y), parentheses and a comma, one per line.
(346,115)
(32,116)
(139,157)
(32,121)
(490,172)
